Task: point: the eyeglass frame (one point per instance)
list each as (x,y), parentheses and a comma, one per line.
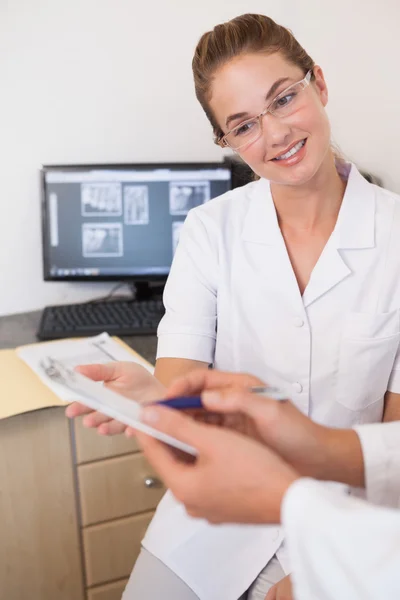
(222,138)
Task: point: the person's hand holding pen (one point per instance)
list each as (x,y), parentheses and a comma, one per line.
(243,403)
(235,477)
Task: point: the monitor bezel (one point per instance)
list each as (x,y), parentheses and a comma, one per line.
(109,166)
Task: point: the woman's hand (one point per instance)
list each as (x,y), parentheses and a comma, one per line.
(281,590)
(128,379)
(234,478)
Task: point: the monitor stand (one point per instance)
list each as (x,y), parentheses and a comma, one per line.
(146,290)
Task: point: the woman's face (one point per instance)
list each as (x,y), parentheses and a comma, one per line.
(243,87)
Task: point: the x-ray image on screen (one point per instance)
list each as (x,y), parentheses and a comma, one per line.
(101,199)
(184,195)
(136,204)
(102,240)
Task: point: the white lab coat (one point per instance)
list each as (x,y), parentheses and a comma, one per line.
(342,547)
(232,299)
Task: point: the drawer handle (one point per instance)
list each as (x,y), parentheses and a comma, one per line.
(152,482)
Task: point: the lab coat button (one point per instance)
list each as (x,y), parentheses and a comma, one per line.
(297,387)
(298,322)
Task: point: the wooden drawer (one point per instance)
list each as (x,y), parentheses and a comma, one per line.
(111,549)
(110,591)
(116,487)
(92,446)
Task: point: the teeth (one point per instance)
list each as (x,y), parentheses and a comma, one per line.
(292,151)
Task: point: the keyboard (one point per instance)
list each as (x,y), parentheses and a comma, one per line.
(116,317)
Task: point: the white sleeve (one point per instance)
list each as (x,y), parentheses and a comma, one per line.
(188,328)
(380,444)
(339,546)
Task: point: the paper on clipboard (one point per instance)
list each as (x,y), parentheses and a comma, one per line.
(98,349)
(25,388)
(100,398)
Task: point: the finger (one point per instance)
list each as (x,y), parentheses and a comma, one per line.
(171,470)
(235,399)
(201,379)
(112,427)
(271,594)
(130,432)
(204,416)
(188,384)
(94,419)
(76,409)
(99,372)
(177,425)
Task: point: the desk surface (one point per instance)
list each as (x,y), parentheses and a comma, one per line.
(20,329)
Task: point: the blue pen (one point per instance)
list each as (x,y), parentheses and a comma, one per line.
(194,402)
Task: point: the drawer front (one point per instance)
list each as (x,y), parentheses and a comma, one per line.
(91,446)
(110,591)
(111,549)
(117,487)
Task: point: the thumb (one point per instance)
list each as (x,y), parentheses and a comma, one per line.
(98,372)
(165,462)
(171,469)
(272,593)
(176,424)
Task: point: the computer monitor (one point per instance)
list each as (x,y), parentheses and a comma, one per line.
(120,222)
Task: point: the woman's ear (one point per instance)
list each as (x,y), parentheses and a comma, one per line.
(320,84)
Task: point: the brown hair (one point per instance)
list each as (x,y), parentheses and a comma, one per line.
(248,33)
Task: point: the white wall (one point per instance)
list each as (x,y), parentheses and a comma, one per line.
(85,81)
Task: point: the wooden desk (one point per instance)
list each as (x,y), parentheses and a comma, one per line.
(73,505)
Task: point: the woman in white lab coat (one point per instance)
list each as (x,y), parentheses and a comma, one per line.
(292,278)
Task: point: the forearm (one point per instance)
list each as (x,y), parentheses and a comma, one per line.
(168,369)
(342,459)
(391,411)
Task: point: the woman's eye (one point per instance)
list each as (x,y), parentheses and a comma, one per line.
(284,100)
(245,128)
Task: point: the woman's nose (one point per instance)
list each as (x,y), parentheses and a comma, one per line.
(276,132)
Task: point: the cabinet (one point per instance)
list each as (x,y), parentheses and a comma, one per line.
(74,505)
(117,494)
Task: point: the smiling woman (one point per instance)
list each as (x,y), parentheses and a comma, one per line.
(292,278)
(252,79)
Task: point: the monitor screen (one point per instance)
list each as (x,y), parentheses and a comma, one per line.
(120,222)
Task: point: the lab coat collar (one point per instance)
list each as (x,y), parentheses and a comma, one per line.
(351,231)
(261,222)
(355,226)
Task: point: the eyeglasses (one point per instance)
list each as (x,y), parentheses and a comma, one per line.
(283,105)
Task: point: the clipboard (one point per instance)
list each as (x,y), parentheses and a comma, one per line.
(21,388)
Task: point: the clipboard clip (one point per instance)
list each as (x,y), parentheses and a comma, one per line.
(56,371)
